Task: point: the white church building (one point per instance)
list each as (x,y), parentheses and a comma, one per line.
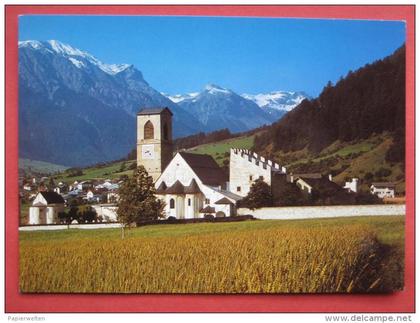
(193,185)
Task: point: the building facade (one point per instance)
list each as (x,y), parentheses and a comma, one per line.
(245,167)
(194,186)
(383,189)
(352,186)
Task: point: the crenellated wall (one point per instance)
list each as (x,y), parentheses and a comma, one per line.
(246,167)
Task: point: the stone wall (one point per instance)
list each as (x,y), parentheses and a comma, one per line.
(308,212)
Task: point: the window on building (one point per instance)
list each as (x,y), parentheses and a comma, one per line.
(148,130)
(165,132)
(172,203)
(189,202)
(238,189)
(207,201)
(250,177)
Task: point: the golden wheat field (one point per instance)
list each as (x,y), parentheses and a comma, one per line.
(255,257)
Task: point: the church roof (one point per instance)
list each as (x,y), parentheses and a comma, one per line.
(52,197)
(230,195)
(148,111)
(176,188)
(162,188)
(323,184)
(223,200)
(308,175)
(192,188)
(206,168)
(208,209)
(384,184)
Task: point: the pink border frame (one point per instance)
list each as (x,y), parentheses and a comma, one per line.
(15,302)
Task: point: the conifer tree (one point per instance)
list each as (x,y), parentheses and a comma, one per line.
(259,196)
(137,201)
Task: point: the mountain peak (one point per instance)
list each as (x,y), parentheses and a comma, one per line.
(277,103)
(65,49)
(76,56)
(214,89)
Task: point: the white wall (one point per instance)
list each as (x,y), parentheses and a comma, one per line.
(383,192)
(51,215)
(45,215)
(240,170)
(34,215)
(71,226)
(107,211)
(225,208)
(178,169)
(307,212)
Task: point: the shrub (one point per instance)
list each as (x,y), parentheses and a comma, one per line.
(259,196)
(368,176)
(72,172)
(367,198)
(383,172)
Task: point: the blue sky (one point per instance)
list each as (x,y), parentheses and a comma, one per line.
(247,55)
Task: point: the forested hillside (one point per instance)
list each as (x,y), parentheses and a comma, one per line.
(366,102)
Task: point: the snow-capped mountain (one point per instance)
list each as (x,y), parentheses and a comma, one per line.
(76,110)
(76,56)
(217,107)
(277,103)
(176,98)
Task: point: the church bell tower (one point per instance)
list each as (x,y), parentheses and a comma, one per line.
(154,140)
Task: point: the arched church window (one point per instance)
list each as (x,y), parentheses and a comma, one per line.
(165,132)
(148,130)
(172,203)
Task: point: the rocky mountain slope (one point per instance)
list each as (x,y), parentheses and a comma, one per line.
(76,110)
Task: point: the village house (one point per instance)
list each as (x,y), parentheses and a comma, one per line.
(45,208)
(108,185)
(92,196)
(112,196)
(316,182)
(83,186)
(383,189)
(352,186)
(27,187)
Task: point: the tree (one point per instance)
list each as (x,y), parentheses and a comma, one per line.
(137,199)
(88,215)
(51,184)
(291,195)
(259,196)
